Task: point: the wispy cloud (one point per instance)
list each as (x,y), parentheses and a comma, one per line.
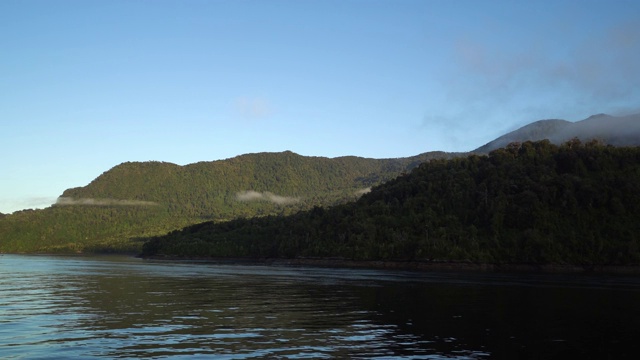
(102,202)
(602,67)
(251,195)
(539,77)
(253,108)
(363,191)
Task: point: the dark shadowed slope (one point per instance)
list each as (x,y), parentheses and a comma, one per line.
(530,203)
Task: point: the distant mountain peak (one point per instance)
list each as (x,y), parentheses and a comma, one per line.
(538,130)
(597,116)
(613,130)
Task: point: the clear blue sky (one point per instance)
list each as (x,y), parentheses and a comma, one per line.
(86,85)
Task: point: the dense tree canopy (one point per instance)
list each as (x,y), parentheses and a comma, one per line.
(138,199)
(533,202)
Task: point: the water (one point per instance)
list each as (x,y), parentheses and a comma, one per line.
(122,307)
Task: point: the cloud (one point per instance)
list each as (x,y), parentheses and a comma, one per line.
(64,201)
(363,191)
(37,202)
(251,195)
(602,67)
(253,108)
(551,74)
(10,205)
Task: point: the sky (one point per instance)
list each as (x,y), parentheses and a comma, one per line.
(87,85)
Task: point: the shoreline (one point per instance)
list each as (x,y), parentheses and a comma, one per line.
(401,265)
(422,266)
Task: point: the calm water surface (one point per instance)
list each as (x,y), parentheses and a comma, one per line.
(121,307)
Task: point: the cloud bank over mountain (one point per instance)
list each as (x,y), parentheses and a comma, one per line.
(251,195)
(66,201)
(612,130)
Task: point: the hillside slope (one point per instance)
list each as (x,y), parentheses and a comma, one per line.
(534,203)
(139,199)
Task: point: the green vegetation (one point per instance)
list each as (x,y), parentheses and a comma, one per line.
(135,200)
(532,203)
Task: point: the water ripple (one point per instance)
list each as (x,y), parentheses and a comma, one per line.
(53,307)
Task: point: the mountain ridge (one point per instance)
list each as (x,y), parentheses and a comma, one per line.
(246,169)
(612,130)
(137,199)
(532,203)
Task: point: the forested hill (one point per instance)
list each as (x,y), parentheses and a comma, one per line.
(533,202)
(136,199)
(212,189)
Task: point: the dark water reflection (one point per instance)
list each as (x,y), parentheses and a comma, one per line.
(116,307)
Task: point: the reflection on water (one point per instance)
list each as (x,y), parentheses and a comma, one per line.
(118,307)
